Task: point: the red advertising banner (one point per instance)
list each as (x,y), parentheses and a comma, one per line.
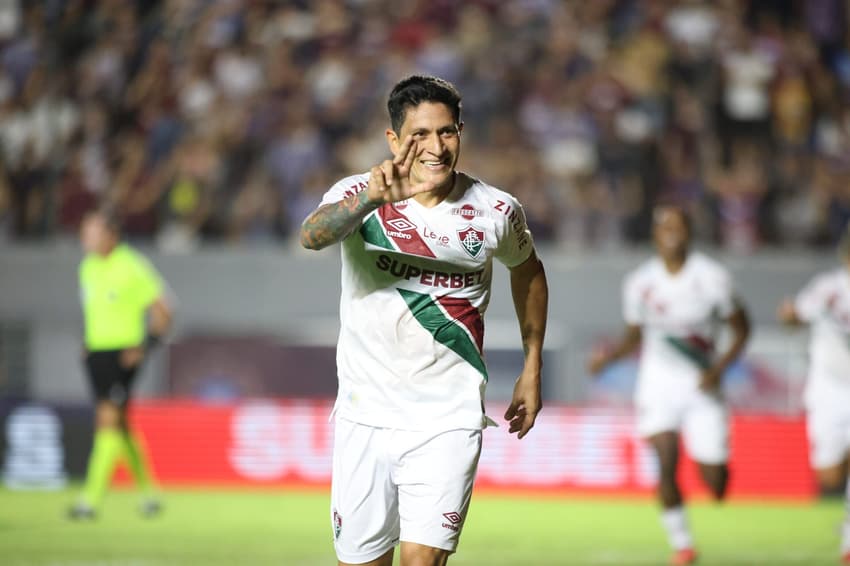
(289,442)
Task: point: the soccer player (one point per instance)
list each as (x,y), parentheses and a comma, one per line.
(126,314)
(418,238)
(672,304)
(825,304)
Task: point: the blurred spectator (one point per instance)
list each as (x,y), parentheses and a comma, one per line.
(221,119)
(188,184)
(739,190)
(77,194)
(255,212)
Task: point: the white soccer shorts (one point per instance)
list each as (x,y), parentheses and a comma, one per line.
(701,418)
(390,485)
(828,426)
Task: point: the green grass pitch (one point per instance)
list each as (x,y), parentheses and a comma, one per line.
(288,528)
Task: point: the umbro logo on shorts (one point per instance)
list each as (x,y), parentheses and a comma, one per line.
(453,520)
(337,524)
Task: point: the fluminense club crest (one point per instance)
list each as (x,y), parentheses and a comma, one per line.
(472,240)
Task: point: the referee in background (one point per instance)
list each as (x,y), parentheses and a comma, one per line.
(126,314)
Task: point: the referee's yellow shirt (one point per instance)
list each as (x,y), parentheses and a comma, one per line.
(116,292)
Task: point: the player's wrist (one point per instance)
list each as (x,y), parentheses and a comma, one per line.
(369,200)
(152,341)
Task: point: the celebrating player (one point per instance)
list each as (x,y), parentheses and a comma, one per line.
(418,239)
(672,304)
(825,304)
(119,289)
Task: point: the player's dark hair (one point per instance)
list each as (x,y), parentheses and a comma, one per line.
(416,89)
(683,214)
(111,217)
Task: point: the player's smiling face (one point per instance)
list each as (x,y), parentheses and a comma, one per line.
(437,138)
(670,232)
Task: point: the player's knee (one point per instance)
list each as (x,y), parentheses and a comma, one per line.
(716,478)
(831,486)
(832,482)
(667,472)
(421,555)
(108,415)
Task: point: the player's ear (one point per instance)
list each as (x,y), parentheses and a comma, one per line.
(392,140)
(460,127)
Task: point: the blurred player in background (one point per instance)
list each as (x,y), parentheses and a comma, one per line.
(825,304)
(673,305)
(126,314)
(418,240)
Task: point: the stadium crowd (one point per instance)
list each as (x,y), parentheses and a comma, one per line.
(226,120)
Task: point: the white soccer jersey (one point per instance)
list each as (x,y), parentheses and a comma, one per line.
(415,285)
(679,315)
(825,304)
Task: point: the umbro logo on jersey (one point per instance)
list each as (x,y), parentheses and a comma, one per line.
(472,240)
(400,225)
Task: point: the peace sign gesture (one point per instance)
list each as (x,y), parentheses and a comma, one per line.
(390,181)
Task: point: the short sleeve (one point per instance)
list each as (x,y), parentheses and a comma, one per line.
(812,299)
(515,242)
(148,285)
(345,188)
(726,301)
(632,295)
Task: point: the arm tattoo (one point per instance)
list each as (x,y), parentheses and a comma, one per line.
(332,222)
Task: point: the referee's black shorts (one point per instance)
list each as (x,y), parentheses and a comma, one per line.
(109,380)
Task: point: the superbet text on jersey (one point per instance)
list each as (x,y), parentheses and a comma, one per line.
(415,285)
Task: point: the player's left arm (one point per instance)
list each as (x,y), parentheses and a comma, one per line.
(160,317)
(531,298)
(739,323)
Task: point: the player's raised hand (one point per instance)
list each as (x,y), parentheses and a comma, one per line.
(390,181)
(786,313)
(599,359)
(525,404)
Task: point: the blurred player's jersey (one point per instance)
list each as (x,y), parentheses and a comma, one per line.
(415,285)
(679,315)
(825,304)
(116,292)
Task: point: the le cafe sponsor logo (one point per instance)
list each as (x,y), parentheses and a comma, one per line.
(401,227)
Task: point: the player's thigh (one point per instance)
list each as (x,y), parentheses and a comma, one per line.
(435,481)
(385,560)
(110,383)
(364,501)
(705,429)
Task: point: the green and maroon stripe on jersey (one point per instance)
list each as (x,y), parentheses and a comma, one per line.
(696,348)
(453,322)
(372,233)
(394,231)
